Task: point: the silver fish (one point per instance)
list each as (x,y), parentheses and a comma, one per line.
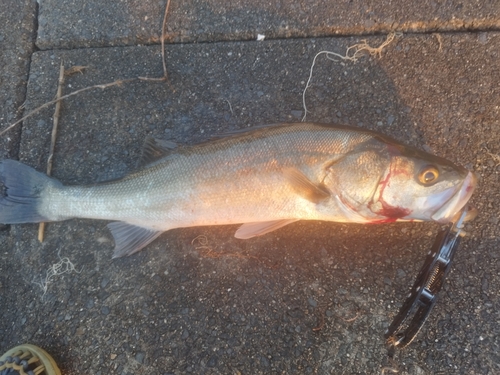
(265,178)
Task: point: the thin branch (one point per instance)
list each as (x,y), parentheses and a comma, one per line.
(74,69)
(56,120)
(163,32)
(57,111)
(163,35)
(36,110)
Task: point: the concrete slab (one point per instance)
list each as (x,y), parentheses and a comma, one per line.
(93,23)
(17,33)
(309,298)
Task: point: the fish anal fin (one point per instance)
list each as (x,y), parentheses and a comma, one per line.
(305,187)
(130,238)
(249,230)
(155,149)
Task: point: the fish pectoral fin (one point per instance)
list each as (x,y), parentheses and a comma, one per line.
(155,149)
(130,238)
(305,187)
(250,230)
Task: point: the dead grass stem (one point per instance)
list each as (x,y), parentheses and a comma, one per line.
(353,53)
(55,124)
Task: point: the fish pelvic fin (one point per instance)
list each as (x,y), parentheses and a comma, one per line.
(250,230)
(22,192)
(129,239)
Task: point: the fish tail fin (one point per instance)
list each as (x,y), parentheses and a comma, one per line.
(20,194)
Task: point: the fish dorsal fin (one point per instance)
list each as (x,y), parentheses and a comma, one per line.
(250,230)
(130,238)
(305,187)
(155,149)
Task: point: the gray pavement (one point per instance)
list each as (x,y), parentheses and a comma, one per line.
(93,23)
(310,298)
(16,45)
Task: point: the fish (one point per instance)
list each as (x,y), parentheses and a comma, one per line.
(264,178)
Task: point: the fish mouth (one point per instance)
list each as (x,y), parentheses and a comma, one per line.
(457,201)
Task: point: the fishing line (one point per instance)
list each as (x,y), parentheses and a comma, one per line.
(350,56)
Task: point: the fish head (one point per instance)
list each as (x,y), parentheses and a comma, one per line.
(383,181)
(420,186)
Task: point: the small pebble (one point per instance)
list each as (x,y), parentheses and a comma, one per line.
(139,357)
(212,362)
(312,302)
(390,120)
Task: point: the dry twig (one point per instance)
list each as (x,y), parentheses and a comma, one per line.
(387,370)
(350,320)
(163,35)
(45,105)
(41,226)
(57,114)
(391,368)
(440,41)
(74,69)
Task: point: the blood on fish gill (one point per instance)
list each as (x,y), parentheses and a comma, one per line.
(392,213)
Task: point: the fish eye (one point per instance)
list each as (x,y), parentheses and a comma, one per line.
(428,175)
